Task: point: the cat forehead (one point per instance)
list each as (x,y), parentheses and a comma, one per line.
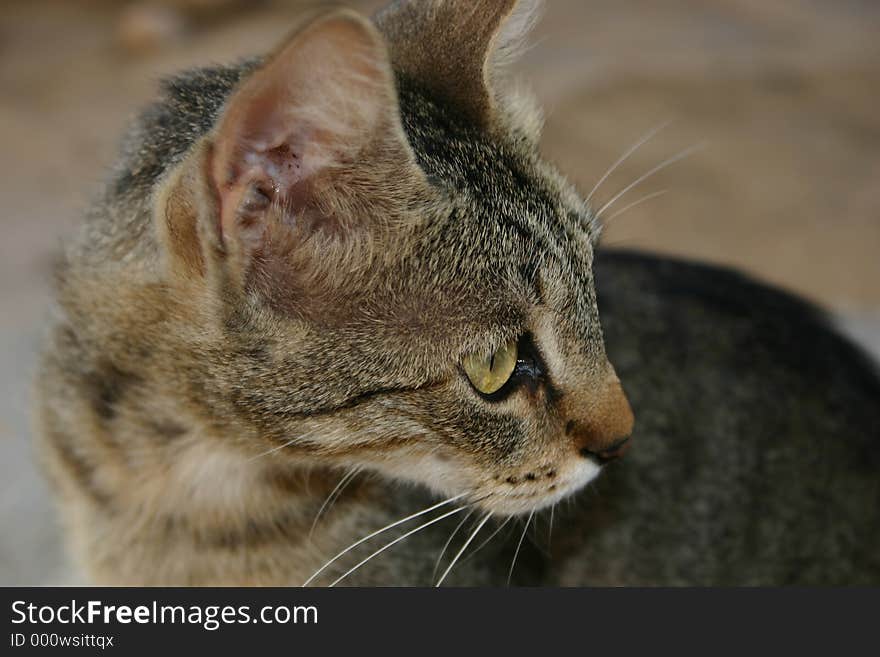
(512,210)
(498,172)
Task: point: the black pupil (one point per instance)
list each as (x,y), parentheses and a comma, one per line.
(528,371)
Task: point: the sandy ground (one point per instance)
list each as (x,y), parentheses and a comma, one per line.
(787,185)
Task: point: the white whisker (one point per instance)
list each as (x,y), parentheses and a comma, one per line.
(290,442)
(672,160)
(448,541)
(550,530)
(518,546)
(379,531)
(486,542)
(334,494)
(394,542)
(632,149)
(630,206)
(463,548)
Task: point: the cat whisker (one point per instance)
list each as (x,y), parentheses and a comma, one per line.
(448,542)
(672,160)
(536,540)
(379,531)
(623,158)
(395,541)
(630,206)
(486,542)
(550,529)
(290,442)
(463,548)
(332,497)
(518,546)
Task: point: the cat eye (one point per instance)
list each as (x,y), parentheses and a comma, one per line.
(489,373)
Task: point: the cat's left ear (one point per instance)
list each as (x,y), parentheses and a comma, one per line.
(459,51)
(310,151)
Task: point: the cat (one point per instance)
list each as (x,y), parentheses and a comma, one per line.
(333,306)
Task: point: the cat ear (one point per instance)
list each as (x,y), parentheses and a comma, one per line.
(458,48)
(309,141)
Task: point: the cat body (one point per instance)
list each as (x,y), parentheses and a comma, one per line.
(758,431)
(269,325)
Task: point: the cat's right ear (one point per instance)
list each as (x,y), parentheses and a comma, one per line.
(309,160)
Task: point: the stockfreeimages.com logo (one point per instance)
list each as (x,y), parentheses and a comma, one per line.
(210,617)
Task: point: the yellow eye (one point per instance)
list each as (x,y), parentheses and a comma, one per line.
(489,373)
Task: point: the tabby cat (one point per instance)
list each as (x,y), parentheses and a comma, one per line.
(334,320)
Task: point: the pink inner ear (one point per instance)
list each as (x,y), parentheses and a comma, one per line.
(255,164)
(266,148)
(318,102)
(281,165)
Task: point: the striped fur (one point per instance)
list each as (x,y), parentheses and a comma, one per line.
(195,416)
(223,354)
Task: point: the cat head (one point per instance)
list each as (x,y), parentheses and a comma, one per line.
(388,275)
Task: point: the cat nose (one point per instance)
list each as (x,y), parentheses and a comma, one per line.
(603,431)
(612,452)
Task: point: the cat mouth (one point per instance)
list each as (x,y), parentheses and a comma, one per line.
(502,493)
(518,495)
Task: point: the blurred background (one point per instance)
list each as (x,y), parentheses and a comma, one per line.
(784,95)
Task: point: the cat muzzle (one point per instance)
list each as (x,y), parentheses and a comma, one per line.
(603,432)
